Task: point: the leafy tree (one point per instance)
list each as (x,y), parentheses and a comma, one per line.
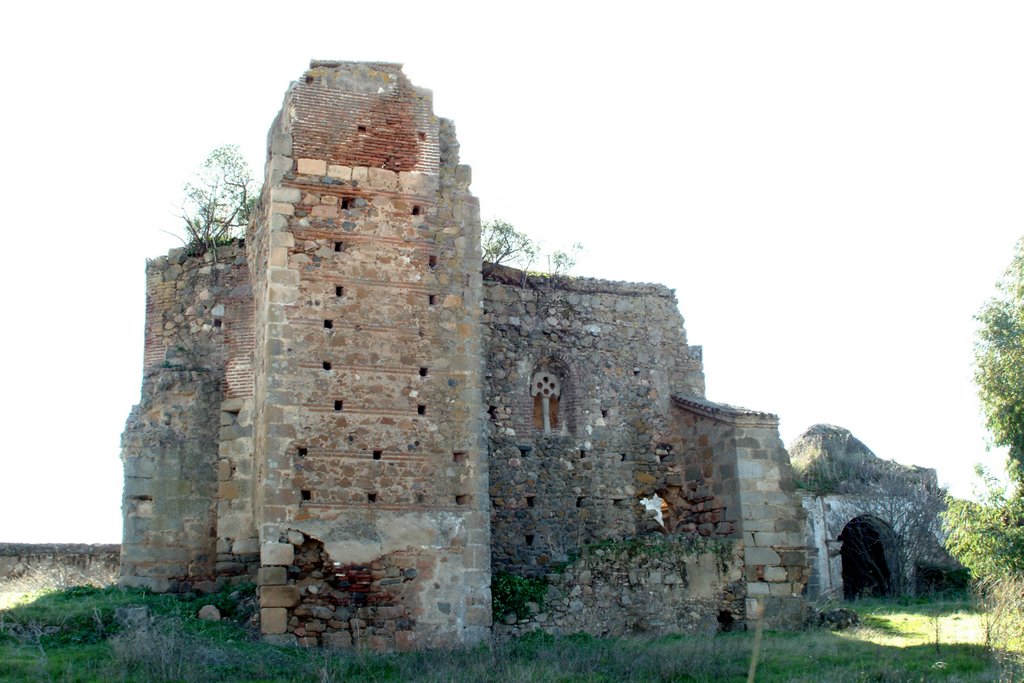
(999,364)
(504,245)
(561,262)
(219,200)
(987,536)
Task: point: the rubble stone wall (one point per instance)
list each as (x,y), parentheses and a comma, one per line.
(198,346)
(617,353)
(652,586)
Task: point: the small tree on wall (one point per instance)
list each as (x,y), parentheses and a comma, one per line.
(219,200)
(503,245)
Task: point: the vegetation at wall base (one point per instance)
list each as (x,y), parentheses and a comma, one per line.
(512,594)
(71,634)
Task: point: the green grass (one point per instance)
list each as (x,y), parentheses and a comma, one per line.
(72,635)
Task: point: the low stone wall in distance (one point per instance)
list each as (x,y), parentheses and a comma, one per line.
(655,585)
(90,560)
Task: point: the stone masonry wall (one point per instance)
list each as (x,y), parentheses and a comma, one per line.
(754,486)
(618,352)
(368,355)
(652,586)
(198,345)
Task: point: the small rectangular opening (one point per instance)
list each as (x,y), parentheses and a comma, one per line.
(432,261)
(338,405)
(416,209)
(462,500)
(579,502)
(377,455)
(636,371)
(421,135)
(421,409)
(604,412)
(529,539)
(423,372)
(619,502)
(327,365)
(622,457)
(432,299)
(339,246)
(583,454)
(346,202)
(361,129)
(339,291)
(302,451)
(328,324)
(530,501)
(217,322)
(371,497)
(306,494)
(459,457)
(492,411)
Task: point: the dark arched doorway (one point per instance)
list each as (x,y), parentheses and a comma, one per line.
(866,570)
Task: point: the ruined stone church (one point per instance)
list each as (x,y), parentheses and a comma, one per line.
(349,410)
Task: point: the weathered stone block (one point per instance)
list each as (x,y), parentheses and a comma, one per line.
(277,553)
(383,179)
(761,556)
(766,538)
(286,195)
(282,239)
(311,167)
(279,596)
(341,172)
(246,546)
(273,620)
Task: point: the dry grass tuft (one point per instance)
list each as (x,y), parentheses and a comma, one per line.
(37,582)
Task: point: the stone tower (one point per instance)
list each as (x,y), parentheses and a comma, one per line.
(310,411)
(368,362)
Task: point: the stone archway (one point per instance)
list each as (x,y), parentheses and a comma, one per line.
(866,565)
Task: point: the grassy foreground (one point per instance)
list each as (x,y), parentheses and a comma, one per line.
(72,634)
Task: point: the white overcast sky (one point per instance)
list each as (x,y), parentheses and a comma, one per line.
(832,189)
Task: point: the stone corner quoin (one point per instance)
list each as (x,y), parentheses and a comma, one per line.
(342,409)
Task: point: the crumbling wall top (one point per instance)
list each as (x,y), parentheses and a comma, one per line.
(363,114)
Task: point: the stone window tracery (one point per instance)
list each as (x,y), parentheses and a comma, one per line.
(546,389)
